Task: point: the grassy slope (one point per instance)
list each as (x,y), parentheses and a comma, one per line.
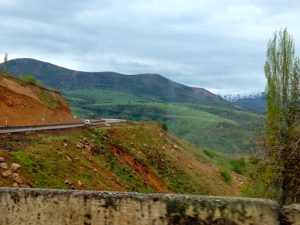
(133,157)
(217,126)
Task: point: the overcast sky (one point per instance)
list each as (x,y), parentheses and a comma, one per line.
(218,45)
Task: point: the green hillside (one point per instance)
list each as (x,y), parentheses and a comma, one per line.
(194,114)
(215,126)
(135,156)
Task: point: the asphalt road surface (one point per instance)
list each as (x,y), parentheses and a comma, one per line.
(22,129)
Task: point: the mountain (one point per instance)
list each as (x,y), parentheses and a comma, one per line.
(147,86)
(135,156)
(194,114)
(24,102)
(255,102)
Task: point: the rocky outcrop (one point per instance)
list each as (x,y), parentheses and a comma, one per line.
(11,173)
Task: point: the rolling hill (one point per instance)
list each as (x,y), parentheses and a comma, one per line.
(146,86)
(195,114)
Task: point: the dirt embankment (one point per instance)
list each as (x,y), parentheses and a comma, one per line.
(148,176)
(29,104)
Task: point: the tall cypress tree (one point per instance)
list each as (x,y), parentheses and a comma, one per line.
(282,123)
(5,66)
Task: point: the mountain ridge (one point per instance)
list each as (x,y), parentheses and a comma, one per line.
(254,102)
(146,84)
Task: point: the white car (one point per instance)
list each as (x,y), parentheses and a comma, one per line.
(87,122)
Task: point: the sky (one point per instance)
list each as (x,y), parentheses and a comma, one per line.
(215,44)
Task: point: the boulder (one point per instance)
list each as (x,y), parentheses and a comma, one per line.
(2,159)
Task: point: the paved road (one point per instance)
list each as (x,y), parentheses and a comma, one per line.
(20,129)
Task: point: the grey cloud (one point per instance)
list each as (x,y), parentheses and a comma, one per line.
(219,45)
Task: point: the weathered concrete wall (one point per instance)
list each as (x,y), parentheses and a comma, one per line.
(290,215)
(55,207)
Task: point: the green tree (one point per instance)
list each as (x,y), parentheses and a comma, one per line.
(5,64)
(276,170)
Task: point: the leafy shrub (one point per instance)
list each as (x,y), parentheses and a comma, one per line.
(225,174)
(28,79)
(164,127)
(238,165)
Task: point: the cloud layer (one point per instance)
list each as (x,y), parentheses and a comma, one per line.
(219,45)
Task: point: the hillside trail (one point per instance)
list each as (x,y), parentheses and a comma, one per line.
(153,180)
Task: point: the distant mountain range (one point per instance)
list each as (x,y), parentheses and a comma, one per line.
(255,102)
(195,114)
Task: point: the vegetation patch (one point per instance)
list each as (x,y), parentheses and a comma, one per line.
(225,174)
(28,79)
(238,165)
(209,153)
(48,99)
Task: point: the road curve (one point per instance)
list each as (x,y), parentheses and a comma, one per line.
(20,129)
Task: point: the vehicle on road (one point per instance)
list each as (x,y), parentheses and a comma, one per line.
(87,122)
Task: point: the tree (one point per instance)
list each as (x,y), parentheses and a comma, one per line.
(5,63)
(275,172)
(282,123)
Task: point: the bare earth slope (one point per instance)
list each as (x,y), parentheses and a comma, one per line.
(133,156)
(27,104)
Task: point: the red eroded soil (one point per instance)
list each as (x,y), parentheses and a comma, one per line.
(20,105)
(153,180)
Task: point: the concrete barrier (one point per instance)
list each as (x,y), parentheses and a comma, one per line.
(55,207)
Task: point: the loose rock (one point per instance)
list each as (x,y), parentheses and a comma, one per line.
(79,183)
(3,165)
(18,179)
(69,158)
(15,185)
(2,159)
(14,175)
(15,167)
(67,182)
(7,173)
(80,145)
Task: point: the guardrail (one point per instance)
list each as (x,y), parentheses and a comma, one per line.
(40,125)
